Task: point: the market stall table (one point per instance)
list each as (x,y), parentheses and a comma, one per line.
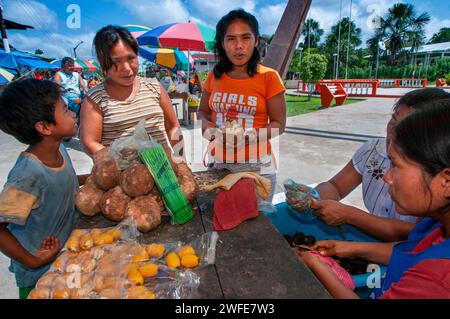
(253,260)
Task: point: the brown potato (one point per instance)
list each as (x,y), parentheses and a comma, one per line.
(157,196)
(114,204)
(88,200)
(187,182)
(106,173)
(146,212)
(101,154)
(136,180)
(90,181)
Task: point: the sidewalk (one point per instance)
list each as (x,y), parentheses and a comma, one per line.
(314,147)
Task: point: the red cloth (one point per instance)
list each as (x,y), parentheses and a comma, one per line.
(236,205)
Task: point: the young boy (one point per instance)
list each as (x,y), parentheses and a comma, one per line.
(37,204)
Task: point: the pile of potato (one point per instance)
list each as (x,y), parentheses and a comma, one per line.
(130,192)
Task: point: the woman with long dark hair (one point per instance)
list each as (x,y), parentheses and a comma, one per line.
(242,93)
(113,108)
(419,184)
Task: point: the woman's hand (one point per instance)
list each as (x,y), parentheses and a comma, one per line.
(342,249)
(333,213)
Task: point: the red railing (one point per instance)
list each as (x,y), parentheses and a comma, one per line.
(402,83)
(353,87)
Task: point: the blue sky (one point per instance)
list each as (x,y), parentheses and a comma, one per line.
(53,35)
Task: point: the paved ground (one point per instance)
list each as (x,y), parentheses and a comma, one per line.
(313,148)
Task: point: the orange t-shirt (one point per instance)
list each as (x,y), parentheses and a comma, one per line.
(244,101)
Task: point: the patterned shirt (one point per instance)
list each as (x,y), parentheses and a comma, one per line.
(372,162)
(121,117)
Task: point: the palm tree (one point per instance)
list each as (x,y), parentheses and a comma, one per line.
(400,28)
(312,33)
(331,42)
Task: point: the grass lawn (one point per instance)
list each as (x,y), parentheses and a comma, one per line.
(296,105)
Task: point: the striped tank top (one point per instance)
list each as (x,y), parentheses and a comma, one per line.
(121,117)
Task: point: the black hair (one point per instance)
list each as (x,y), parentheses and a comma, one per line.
(419,99)
(424,136)
(106,38)
(67,60)
(224,64)
(23,103)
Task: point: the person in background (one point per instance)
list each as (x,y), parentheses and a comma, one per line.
(73,84)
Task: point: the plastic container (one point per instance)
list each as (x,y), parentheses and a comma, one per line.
(289,222)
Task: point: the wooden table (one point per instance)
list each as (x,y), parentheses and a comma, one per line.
(253,260)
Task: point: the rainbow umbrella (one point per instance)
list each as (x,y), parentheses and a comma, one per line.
(136,30)
(169,58)
(183,36)
(5,76)
(80,65)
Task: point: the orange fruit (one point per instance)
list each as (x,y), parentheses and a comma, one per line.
(189,261)
(172,260)
(149,270)
(155,250)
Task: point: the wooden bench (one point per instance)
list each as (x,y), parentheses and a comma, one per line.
(441,82)
(331,91)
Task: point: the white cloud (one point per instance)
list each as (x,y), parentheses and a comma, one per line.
(156,13)
(269,17)
(435,25)
(212,11)
(57,47)
(32,13)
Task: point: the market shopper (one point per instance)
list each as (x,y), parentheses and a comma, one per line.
(367,167)
(419,183)
(113,108)
(37,204)
(242,90)
(73,84)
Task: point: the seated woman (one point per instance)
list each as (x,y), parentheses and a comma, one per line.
(419,183)
(113,108)
(368,166)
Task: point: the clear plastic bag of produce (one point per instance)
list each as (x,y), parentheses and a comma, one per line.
(125,150)
(298,198)
(127,269)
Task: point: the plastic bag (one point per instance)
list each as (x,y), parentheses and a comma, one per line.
(298,198)
(124,269)
(125,150)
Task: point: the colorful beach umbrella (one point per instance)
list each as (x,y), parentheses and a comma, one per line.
(5,76)
(183,36)
(136,30)
(169,58)
(80,65)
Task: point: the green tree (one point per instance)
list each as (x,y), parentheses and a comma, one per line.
(330,47)
(312,69)
(294,67)
(400,28)
(312,33)
(442,36)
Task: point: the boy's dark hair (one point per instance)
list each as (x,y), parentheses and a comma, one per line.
(106,38)
(224,64)
(418,99)
(67,60)
(23,103)
(424,136)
